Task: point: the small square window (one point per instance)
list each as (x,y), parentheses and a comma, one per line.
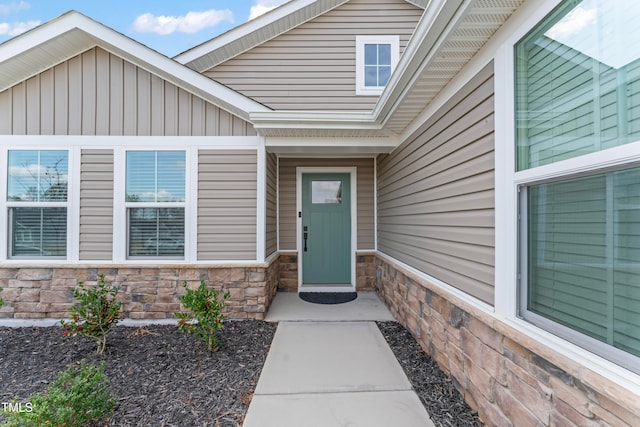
(376,57)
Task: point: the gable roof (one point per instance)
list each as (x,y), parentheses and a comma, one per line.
(449,34)
(259,30)
(73,33)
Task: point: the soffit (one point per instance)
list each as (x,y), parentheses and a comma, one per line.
(38,58)
(478,24)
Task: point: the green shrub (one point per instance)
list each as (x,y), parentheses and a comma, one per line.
(205,307)
(95,314)
(1,300)
(76,397)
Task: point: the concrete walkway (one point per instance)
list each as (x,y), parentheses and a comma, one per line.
(333,371)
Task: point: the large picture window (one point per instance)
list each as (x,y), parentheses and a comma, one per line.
(577,92)
(37,182)
(578,82)
(155,201)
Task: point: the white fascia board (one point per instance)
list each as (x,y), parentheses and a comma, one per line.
(383,144)
(313,120)
(244,30)
(38,35)
(136,53)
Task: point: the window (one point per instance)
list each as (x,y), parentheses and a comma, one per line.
(37,183)
(376,57)
(326,192)
(577,92)
(155,202)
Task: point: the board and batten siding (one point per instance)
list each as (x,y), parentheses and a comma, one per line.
(98,93)
(365,198)
(436,193)
(96,204)
(313,66)
(271,231)
(227,190)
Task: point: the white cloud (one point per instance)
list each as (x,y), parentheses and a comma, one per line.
(575,21)
(263,6)
(16,28)
(7,8)
(192,22)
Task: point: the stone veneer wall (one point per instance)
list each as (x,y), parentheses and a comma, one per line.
(288,273)
(510,379)
(146,292)
(365,272)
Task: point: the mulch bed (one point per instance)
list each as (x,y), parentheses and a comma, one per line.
(163,377)
(438,394)
(158,375)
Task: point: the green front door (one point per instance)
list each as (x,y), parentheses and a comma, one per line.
(326,229)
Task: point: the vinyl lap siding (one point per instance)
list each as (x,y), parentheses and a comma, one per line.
(312,67)
(365,199)
(227,189)
(436,193)
(96,205)
(272,205)
(97,93)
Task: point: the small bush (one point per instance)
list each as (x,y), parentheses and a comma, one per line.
(76,397)
(1,300)
(205,307)
(95,314)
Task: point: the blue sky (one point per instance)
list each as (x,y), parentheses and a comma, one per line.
(168,26)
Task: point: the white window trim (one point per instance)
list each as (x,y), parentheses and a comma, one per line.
(507,181)
(74,144)
(121,206)
(394,41)
(71,204)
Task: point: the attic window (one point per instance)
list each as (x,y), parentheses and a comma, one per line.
(376,57)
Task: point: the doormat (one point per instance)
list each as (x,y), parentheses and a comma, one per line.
(328,297)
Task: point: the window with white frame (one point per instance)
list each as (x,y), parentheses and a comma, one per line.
(577,92)
(376,58)
(155,202)
(37,182)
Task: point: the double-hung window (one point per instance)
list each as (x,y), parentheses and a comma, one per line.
(577,94)
(155,203)
(37,182)
(376,58)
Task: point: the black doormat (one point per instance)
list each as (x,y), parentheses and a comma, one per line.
(328,297)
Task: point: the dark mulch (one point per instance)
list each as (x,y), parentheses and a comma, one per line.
(437,392)
(159,375)
(163,377)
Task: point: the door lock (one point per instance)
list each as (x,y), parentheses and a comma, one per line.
(306,236)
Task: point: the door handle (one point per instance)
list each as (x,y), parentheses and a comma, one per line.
(306,236)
